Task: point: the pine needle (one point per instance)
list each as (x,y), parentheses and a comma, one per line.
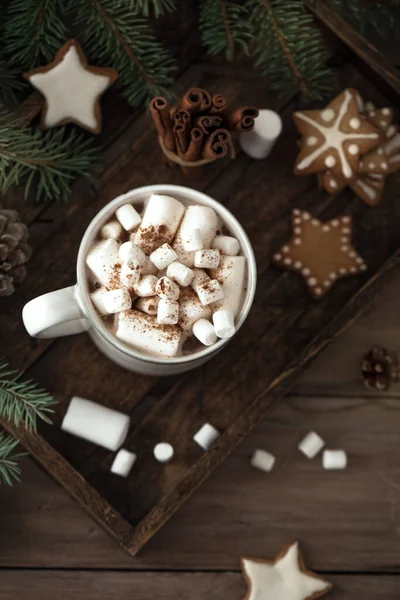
(158,7)
(9,81)
(23,401)
(115,36)
(224,26)
(9,468)
(47,162)
(382,17)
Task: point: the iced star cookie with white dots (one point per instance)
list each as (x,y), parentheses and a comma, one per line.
(321,252)
(335,137)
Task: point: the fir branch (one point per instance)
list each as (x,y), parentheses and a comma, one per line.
(382,17)
(9,469)
(113,34)
(289,49)
(224,25)
(23,401)
(159,7)
(49,161)
(9,83)
(34,31)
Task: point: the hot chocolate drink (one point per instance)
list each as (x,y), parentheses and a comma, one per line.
(167,278)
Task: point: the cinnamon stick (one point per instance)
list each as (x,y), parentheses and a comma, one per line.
(193,153)
(218,104)
(192,99)
(207,123)
(242,119)
(159,111)
(218,144)
(182,133)
(182,116)
(206,101)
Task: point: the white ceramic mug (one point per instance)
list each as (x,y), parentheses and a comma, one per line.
(70,310)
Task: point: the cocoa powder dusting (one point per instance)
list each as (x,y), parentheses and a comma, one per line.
(152,237)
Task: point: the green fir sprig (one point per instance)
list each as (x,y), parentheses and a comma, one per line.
(47,162)
(114,35)
(289,49)
(224,26)
(382,17)
(158,7)
(10,81)
(9,468)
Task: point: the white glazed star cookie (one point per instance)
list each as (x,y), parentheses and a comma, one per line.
(284,578)
(71,88)
(335,137)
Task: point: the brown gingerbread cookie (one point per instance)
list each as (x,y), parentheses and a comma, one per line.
(320,252)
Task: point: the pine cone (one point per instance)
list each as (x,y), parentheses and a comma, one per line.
(14,251)
(379,368)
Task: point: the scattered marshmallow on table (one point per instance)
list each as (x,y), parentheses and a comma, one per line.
(259,142)
(193,241)
(143,333)
(167,289)
(146,286)
(102,260)
(163,452)
(132,254)
(123,463)
(311,444)
(207,259)
(129,276)
(96,423)
(263,460)
(204,331)
(206,436)
(117,300)
(168,312)
(148,305)
(210,291)
(180,273)
(112,229)
(224,323)
(128,217)
(163,256)
(334,459)
(226,245)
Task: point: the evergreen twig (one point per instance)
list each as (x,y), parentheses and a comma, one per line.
(380,16)
(289,49)
(159,7)
(9,83)
(9,468)
(224,25)
(113,34)
(48,161)
(23,401)
(34,31)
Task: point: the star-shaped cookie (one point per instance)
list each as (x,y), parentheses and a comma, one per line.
(320,252)
(284,578)
(71,88)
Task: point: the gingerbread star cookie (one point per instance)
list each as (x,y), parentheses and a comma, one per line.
(320,252)
(71,88)
(335,137)
(284,578)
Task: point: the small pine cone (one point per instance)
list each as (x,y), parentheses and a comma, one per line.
(14,251)
(379,368)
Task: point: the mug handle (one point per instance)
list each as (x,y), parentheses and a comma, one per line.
(55,314)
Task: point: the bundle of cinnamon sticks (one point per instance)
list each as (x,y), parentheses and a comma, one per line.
(199,129)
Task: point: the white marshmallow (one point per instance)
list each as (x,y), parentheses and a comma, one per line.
(168,312)
(163,256)
(112,229)
(160,222)
(163,452)
(199,277)
(128,276)
(96,423)
(193,241)
(334,460)
(128,217)
(226,245)
(232,275)
(207,259)
(167,289)
(117,300)
(132,254)
(263,460)
(311,444)
(224,323)
(204,331)
(143,333)
(148,305)
(205,436)
(259,142)
(123,463)
(97,298)
(148,268)
(146,286)
(102,259)
(191,310)
(203,218)
(180,273)
(209,292)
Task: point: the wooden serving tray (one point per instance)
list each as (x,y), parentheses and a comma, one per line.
(284,331)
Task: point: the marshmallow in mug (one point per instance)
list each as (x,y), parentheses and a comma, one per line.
(102,260)
(160,222)
(231,273)
(202,218)
(144,333)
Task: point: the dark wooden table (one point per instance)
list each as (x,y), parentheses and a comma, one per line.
(347,522)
